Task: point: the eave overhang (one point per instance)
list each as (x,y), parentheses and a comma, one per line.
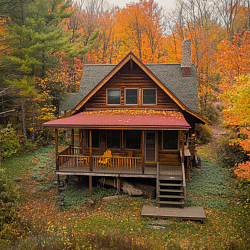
(123,119)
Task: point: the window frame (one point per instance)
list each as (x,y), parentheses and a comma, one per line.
(87,138)
(107,96)
(125,95)
(178,141)
(107,138)
(143,96)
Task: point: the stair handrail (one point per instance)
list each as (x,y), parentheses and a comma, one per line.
(157,179)
(184,180)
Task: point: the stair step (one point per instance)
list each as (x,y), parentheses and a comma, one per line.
(169,178)
(171,196)
(170,184)
(171,190)
(172,202)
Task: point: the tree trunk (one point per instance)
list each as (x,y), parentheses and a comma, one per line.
(23,119)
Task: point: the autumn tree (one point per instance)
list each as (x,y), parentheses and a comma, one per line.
(33,36)
(198,21)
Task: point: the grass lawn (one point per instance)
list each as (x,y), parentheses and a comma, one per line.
(117,224)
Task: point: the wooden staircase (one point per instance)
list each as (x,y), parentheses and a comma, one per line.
(170,190)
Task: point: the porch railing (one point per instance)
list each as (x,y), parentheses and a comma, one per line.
(70,157)
(116,162)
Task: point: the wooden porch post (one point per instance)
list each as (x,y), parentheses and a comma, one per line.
(90,151)
(188,169)
(57,162)
(90,185)
(182,148)
(143,151)
(72,141)
(122,139)
(80,141)
(56,148)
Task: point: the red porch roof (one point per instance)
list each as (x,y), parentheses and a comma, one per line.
(125,118)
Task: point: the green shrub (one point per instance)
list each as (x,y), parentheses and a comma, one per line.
(227,154)
(9,196)
(9,141)
(210,113)
(204,133)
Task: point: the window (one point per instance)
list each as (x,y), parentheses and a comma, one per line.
(113,96)
(95,138)
(131,96)
(170,140)
(113,138)
(133,139)
(148,96)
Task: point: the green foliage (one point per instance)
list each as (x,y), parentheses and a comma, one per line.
(204,133)
(9,196)
(229,154)
(9,141)
(76,199)
(208,187)
(210,113)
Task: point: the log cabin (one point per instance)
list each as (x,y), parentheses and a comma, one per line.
(133,120)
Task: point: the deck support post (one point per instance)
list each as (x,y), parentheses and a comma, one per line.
(118,185)
(72,141)
(143,151)
(58,184)
(90,185)
(90,151)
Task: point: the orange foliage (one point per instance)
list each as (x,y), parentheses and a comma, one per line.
(234,67)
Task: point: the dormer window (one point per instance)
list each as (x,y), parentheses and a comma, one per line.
(148,96)
(113,96)
(131,96)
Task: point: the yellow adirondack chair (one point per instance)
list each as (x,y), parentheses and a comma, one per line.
(106,161)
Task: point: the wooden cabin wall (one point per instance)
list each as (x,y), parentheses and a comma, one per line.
(168,157)
(126,78)
(102,148)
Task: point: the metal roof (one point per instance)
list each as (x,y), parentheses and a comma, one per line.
(125,118)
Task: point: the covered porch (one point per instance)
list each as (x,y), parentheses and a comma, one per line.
(145,144)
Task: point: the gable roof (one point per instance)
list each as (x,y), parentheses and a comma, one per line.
(183,90)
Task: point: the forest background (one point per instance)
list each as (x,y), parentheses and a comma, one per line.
(44,45)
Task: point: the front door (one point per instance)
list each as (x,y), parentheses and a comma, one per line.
(150,146)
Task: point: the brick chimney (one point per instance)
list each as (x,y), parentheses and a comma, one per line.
(186,57)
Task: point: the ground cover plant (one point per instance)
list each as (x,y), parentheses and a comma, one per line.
(117,224)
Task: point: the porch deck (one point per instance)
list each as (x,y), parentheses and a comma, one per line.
(186,213)
(150,171)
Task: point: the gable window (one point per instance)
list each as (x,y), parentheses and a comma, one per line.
(170,140)
(113,96)
(131,96)
(148,96)
(95,138)
(133,139)
(113,138)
